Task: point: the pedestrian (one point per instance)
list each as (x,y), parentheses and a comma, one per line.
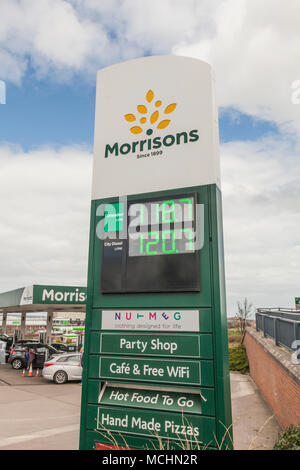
(81,359)
(31,357)
(81,356)
(27,356)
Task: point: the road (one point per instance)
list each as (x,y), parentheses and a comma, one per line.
(254,425)
(37,414)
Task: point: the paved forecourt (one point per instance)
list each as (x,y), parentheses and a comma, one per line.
(43,416)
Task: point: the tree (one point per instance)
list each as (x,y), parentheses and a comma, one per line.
(244,313)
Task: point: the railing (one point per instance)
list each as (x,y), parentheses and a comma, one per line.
(283,325)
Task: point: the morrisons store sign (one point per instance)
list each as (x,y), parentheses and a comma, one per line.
(38,294)
(59,295)
(76,295)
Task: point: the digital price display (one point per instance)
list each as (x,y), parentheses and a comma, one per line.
(159,252)
(164,227)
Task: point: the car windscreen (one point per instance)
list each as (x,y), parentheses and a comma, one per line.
(52,350)
(19,346)
(69,359)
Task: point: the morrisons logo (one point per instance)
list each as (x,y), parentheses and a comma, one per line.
(152,144)
(57,296)
(152,115)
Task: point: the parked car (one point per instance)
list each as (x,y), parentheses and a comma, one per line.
(62,368)
(24,341)
(18,360)
(9,341)
(64,347)
(60,347)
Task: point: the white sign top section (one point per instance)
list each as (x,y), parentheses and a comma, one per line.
(156,127)
(154,320)
(27,296)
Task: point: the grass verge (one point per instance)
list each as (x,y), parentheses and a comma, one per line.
(289,439)
(238,360)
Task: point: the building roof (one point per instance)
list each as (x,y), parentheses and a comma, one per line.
(36,298)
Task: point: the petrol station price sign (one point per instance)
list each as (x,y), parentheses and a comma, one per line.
(156,357)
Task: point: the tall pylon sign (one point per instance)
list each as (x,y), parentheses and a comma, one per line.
(156,357)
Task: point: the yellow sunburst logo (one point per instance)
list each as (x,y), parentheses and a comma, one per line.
(152,114)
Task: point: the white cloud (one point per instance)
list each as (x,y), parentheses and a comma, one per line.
(60,37)
(261,183)
(49,33)
(45,204)
(254,46)
(255,52)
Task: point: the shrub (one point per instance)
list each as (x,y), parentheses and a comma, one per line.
(289,439)
(238,360)
(233,332)
(236,339)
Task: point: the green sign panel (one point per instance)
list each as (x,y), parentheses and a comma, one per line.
(133,352)
(198,402)
(193,346)
(197,429)
(156,370)
(43,294)
(59,295)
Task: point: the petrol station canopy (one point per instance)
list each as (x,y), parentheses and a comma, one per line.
(37,298)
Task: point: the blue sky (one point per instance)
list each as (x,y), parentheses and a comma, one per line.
(41,113)
(50,51)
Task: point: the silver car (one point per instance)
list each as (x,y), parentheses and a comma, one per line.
(62,368)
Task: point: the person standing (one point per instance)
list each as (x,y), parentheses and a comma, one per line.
(81,355)
(31,357)
(27,356)
(81,359)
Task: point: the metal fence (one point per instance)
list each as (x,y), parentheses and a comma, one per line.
(283,325)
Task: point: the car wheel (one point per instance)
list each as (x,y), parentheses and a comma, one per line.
(60,377)
(17,364)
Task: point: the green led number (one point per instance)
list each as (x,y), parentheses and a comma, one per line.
(149,243)
(190,203)
(153,242)
(142,214)
(157,213)
(164,233)
(166,210)
(191,236)
(141,244)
